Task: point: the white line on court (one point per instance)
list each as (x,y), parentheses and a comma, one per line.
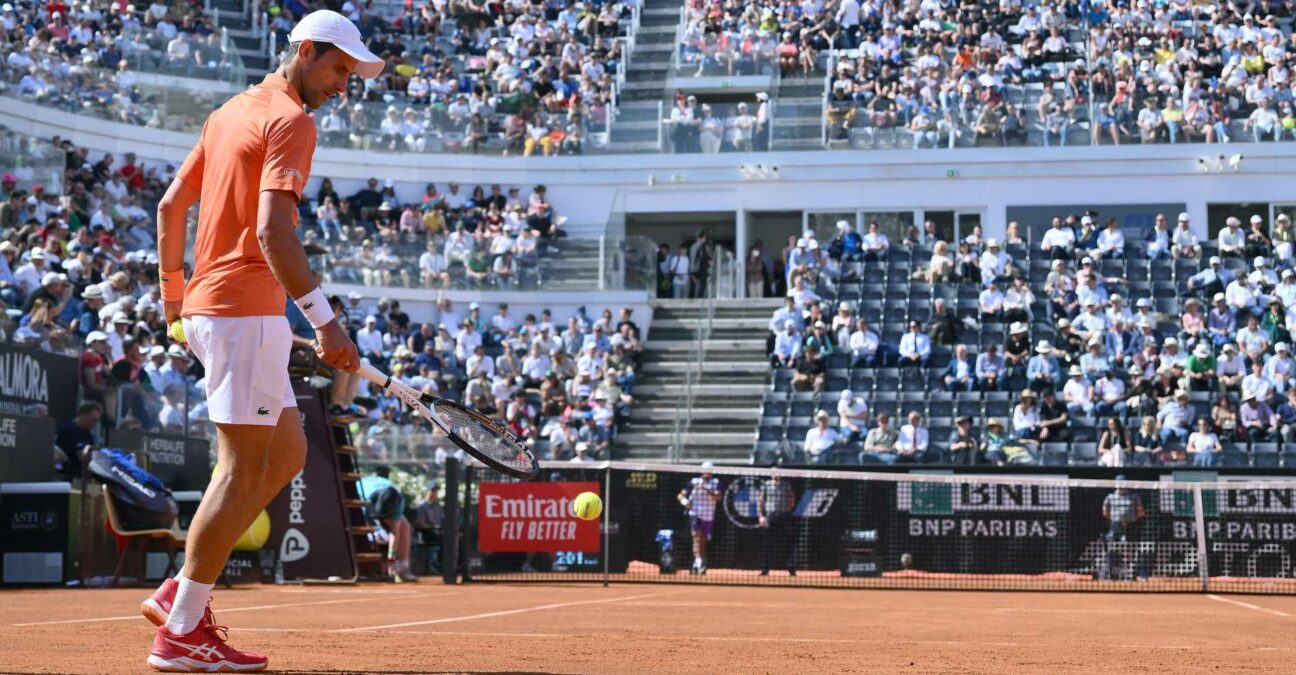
(224,610)
(1248,605)
(489,615)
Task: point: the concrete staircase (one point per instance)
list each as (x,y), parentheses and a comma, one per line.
(726,397)
(250,45)
(798,113)
(638,112)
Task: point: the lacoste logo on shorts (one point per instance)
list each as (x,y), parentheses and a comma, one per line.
(263,410)
(292,172)
(308,305)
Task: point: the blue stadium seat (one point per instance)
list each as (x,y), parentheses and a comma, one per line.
(1084,453)
(1054,454)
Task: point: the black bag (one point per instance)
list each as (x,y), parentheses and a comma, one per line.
(143,502)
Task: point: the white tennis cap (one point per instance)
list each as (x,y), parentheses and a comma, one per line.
(327,26)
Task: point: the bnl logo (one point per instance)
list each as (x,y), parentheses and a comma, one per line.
(815,503)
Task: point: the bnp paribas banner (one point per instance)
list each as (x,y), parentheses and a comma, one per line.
(1250,531)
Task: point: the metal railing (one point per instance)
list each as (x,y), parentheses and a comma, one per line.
(683,417)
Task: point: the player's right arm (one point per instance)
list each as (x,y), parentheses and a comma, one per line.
(277,235)
(290,142)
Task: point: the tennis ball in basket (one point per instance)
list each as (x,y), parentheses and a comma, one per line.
(177,331)
(587,506)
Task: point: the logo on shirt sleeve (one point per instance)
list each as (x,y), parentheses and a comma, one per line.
(293,172)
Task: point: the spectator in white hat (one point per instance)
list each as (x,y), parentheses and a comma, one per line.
(1214,279)
(1183,242)
(1262,277)
(1232,240)
(1280,368)
(852,415)
(995,263)
(1077,393)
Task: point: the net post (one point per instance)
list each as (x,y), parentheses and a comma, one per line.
(1199,518)
(607,509)
(450,536)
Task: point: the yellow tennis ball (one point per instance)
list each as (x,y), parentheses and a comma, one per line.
(177,331)
(256,535)
(587,506)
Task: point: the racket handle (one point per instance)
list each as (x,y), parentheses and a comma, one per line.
(374,375)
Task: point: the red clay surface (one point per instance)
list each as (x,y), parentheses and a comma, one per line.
(657,628)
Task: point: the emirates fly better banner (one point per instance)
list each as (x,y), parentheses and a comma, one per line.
(534,518)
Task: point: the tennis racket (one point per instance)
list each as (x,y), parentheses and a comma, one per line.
(477,434)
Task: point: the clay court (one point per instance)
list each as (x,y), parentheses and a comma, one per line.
(650,628)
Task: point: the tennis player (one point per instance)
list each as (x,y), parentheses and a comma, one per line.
(249,169)
(700,497)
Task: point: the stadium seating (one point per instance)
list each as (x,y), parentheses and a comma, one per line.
(892,297)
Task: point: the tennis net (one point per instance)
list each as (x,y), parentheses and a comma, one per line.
(1188,531)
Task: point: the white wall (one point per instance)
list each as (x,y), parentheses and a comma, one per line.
(592,190)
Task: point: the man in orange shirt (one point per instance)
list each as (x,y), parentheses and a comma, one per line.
(249,169)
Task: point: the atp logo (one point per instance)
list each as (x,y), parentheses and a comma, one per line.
(295,546)
(815,503)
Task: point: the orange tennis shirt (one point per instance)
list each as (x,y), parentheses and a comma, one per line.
(259,140)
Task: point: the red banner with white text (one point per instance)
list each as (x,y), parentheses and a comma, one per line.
(534,517)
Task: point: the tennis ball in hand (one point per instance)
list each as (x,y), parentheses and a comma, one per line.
(177,331)
(587,506)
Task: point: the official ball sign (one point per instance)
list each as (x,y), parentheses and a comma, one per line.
(533,518)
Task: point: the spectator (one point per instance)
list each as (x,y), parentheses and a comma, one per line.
(821,440)
(1054,418)
(960,374)
(1257,418)
(876,245)
(852,413)
(810,371)
(1203,445)
(787,347)
(912,442)
(964,445)
(915,347)
(1114,444)
(865,346)
(989,368)
(1078,393)
(880,442)
(1174,418)
(1148,448)
(1042,370)
(1183,243)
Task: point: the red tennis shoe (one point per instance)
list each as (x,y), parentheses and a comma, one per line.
(202,651)
(157,608)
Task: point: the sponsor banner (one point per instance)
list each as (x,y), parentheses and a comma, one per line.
(36,382)
(534,517)
(948,498)
(308,520)
(182,463)
(25,444)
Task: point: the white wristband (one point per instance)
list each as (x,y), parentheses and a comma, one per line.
(315,306)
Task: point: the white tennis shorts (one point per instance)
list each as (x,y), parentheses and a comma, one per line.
(246,360)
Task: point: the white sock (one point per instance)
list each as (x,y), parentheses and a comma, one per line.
(189,607)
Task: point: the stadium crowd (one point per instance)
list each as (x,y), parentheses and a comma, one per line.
(85,57)
(1137,347)
(999,72)
(523,79)
(78,277)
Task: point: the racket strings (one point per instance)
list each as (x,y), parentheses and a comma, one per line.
(486,437)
